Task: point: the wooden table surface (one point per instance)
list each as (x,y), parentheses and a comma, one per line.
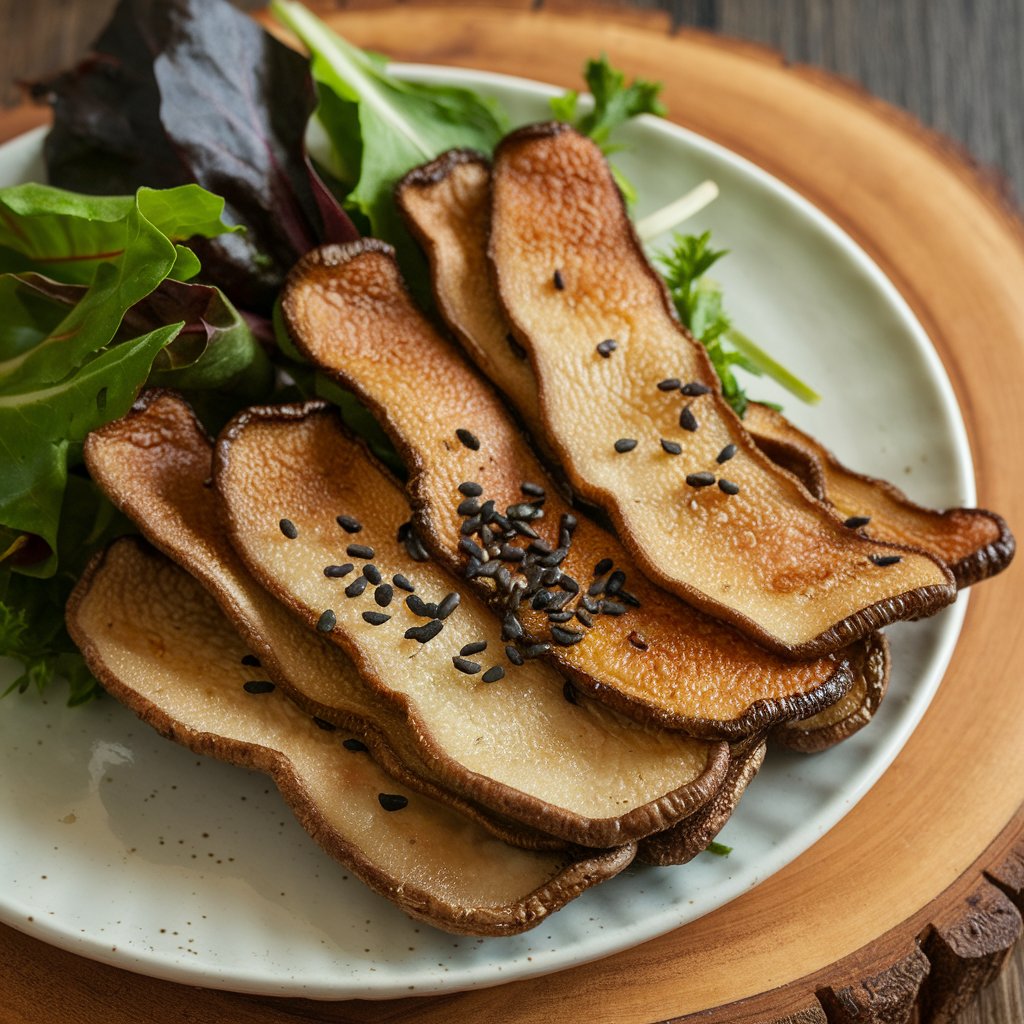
(955,64)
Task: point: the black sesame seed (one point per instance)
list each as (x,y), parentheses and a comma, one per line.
(558,280)
(560,618)
(569,692)
(471,548)
(625,444)
(251,659)
(726,453)
(468,507)
(504,578)
(524,511)
(426,632)
(513,655)
(524,529)
(468,438)
(322,723)
(565,637)
(502,523)
(536,650)
(463,665)
(356,746)
(402,583)
(472,568)
(539,547)
(568,584)
(258,686)
(588,604)
(327,621)
(383,594)
(669,384)
(489,570)
(392,801)
(672,447)
(470,489)
(603,566)
(349,524)
(627,598)
(638,641)
(856,522)
(375,618)
(700,479)
(356,587)
(569,522)
(584,617)
(510,553)
(414,548)
(687,420)
(492,675)
(612,608)
(607,347)
(470,526)
(335,572)
(419,607)
(596,588)
(728,487)
(289,529)
(359,551)
(541,600)
(474,648)
(511,628)
(533,490)
(559,601)
(885,559)
(616,582)
(372,573)
(694,388)
(448,605)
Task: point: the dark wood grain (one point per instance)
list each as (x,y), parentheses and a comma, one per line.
(955,64)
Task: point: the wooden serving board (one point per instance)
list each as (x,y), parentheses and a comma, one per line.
(912,902)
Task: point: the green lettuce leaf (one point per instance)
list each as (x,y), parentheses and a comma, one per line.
(380,127)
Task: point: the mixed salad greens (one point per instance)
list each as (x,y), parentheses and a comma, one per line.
(181,194)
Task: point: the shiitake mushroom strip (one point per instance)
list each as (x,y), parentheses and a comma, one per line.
(637,648)
(159,643)
(738,539)
(973,543)
(683,842)
(507,736)
(852,711)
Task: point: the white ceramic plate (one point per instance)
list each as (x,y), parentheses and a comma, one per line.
(126,848)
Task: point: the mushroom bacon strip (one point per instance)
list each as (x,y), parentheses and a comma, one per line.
(744,542)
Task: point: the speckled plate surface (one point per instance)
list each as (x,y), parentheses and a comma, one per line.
(123,847)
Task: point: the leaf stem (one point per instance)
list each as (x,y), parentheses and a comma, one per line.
(672,215)
(771,368)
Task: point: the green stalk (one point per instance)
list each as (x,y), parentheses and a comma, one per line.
(771,368)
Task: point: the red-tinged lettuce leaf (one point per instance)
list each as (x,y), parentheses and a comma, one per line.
(179,91)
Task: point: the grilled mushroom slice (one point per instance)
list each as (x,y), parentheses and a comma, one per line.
(694,835)
(738,538)
(501,734)
(446,206)
(158,642)
(155,465)
(636,647)
(973,543)
(852,711)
